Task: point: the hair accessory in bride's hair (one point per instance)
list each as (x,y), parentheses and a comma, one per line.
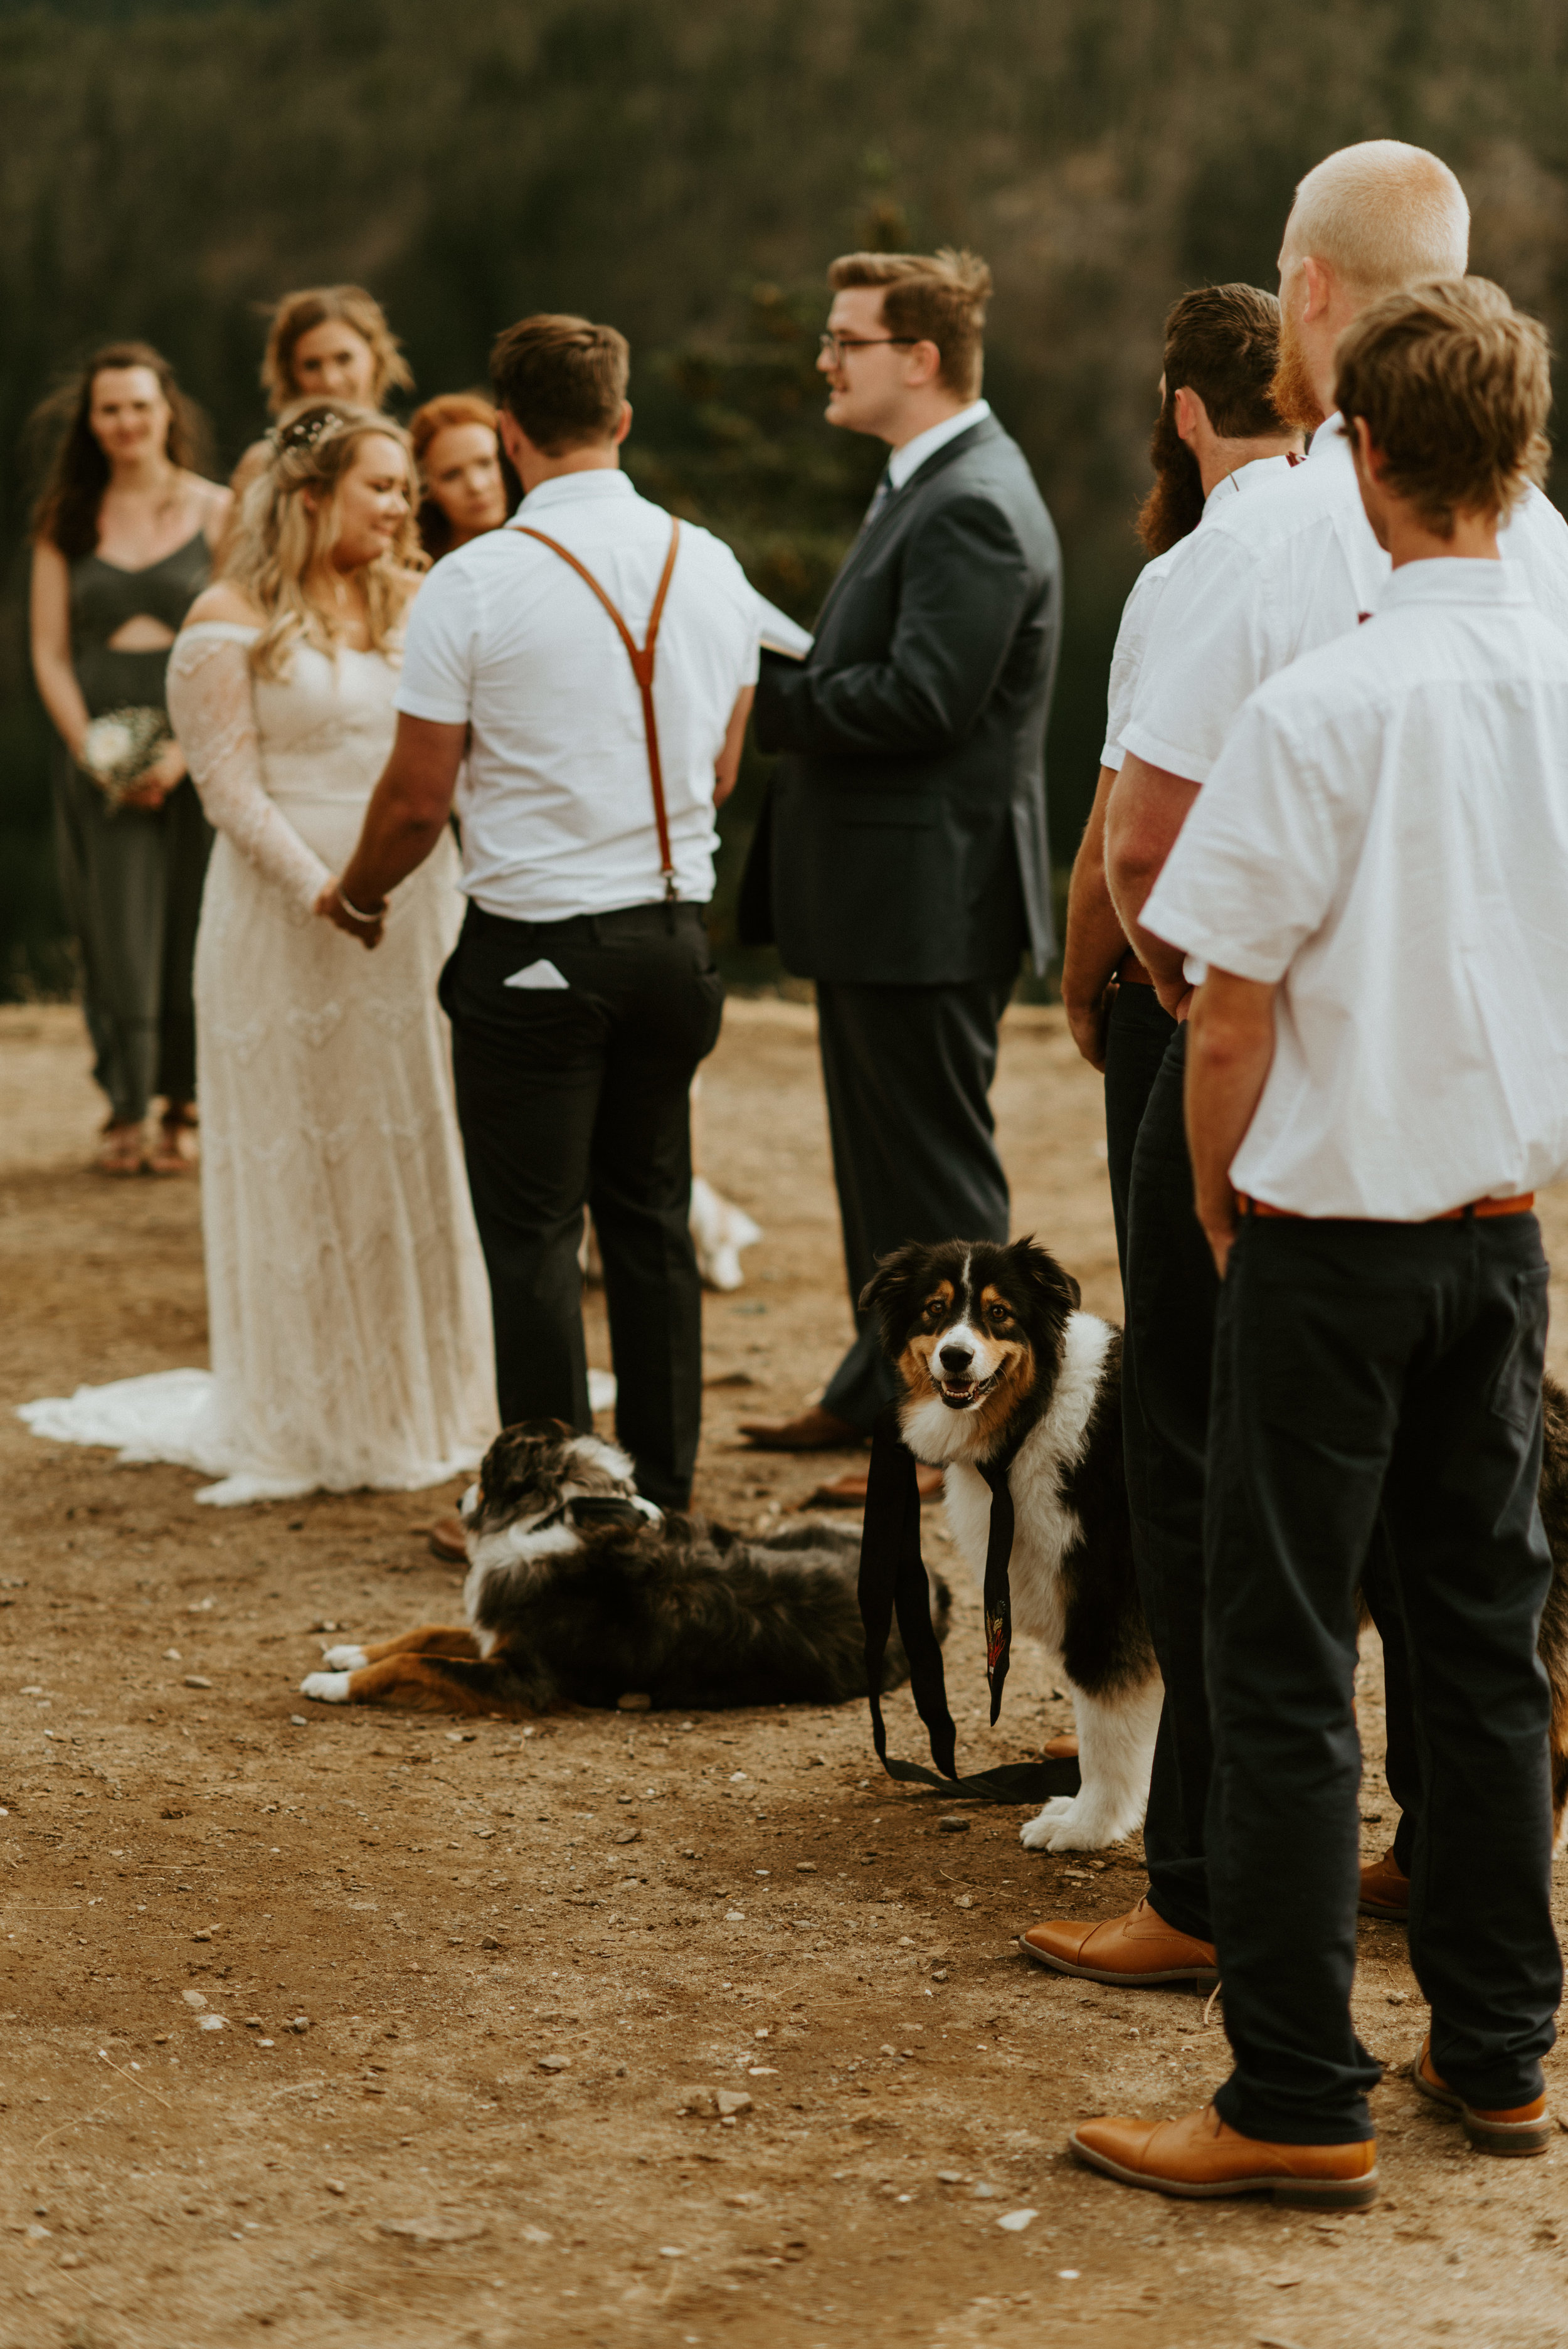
(308,431)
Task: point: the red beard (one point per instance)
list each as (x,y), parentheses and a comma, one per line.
(1292,390)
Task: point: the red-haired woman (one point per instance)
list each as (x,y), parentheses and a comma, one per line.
(122,544)
(462,479)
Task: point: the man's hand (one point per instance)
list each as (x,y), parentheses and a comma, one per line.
(1095,941)
(1229,1050)
(331,908)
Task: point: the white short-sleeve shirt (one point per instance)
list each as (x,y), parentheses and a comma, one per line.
(1138,612)
(555,803)
(1272,576)
(1386,834)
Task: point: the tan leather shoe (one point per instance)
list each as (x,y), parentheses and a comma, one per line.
(448,1542)
(814,1430)
(1522,2129)
(1200,2157)
(1061,1749)
(1130,1952)
(1384,1890)
(849,1491)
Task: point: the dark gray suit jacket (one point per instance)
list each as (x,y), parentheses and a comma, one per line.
(907,817)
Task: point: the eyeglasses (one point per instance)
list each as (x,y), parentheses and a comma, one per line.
(835,345)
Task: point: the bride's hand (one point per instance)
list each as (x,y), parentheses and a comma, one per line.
(329,905)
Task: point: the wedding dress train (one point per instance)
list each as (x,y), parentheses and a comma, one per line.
(350,1331)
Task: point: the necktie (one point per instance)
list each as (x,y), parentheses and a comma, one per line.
(883,491)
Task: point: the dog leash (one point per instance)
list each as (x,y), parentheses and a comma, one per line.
(892,1579)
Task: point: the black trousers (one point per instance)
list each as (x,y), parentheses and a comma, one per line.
(1363,1369)
(1172,1294)
(1137,1036)
(577,1095)
(907,1072)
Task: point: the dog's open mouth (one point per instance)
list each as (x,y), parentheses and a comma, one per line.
(963,1394)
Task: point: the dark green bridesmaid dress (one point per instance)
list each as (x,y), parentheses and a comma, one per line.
(132,880)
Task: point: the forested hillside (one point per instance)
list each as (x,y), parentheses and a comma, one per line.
(686,168)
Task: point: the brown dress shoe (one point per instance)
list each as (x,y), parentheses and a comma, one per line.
(849,1491)
(814,1430)
(1521,2129)
(1128,1951)
(448,1541)
(1200,2157)
(1384,1890)
(1060,1749)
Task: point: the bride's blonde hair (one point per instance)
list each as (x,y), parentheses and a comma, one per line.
(289,522)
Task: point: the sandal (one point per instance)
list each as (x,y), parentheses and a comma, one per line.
(120,1150)
(175,1151)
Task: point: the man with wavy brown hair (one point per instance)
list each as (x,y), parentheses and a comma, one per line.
(1218,435)
(1376,1080)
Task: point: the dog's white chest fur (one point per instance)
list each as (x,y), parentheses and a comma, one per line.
(1044,1527)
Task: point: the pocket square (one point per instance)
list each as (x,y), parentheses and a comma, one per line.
(538,974)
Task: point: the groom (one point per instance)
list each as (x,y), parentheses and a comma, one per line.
(582,992)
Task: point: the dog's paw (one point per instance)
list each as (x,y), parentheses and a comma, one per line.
(326,1688)
(1035,1835)
(345,1660)
(1079,1826)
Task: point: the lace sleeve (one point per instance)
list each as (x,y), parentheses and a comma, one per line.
(213,714)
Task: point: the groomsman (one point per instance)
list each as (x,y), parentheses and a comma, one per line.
(902,863)
(1272,577)
(1217,436)
(1376,1080)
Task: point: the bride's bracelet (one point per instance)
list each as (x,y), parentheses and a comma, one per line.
(367,921)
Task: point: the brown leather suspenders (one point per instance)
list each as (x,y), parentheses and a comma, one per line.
(642,659)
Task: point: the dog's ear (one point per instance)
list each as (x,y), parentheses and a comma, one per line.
(887,1293)
(1053,1285)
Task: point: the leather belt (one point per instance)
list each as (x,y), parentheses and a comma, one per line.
(1481,1209)
(1131,971)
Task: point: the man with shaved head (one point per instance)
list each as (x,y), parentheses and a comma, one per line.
(1270,577)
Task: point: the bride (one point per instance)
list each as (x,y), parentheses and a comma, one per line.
(349,1313)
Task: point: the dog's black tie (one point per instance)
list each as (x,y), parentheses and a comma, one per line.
(893,1578)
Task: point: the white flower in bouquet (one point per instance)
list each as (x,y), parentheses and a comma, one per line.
(119,748)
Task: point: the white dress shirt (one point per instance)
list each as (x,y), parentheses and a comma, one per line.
(555,805)
(1386,834)
(914,454)
(1270,577)
(1138,612)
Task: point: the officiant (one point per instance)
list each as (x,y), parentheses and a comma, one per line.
(902,863)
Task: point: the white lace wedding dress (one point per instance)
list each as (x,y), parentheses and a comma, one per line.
(350,1329)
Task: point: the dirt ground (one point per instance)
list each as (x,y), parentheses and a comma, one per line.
(445,2105)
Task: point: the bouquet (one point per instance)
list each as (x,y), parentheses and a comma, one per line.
(119,748)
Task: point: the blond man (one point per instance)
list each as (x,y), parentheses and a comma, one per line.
(1272,577)
(1376,1080)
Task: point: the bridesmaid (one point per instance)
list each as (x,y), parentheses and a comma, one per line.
(329,342)
(122,544)
(463,478)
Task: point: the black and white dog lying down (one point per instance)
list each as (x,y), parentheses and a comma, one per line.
(579,1592)
(991,1348)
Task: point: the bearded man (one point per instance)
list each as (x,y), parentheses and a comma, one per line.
(1218,435)
(1272,577)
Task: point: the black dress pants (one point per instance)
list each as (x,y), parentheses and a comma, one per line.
(1138,1035)
(1360,1369)
(574,1093)
(1172,1296)
(907,1072)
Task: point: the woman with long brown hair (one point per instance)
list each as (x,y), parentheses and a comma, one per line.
(122,544)
(347,1296)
